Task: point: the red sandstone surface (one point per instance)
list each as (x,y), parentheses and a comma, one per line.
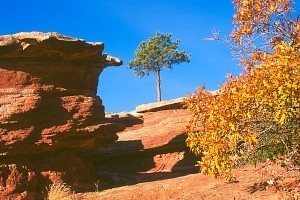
(192,186)
(48,96)
(49,110)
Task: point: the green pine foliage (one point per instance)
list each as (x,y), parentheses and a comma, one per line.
(155,54)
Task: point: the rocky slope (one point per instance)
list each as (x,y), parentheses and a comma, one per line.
(192,186)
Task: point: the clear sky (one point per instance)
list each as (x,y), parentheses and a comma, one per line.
(122,25)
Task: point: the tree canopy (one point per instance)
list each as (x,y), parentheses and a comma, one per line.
(255,116)
(155,54)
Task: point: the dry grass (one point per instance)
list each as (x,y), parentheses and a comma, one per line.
(59,191)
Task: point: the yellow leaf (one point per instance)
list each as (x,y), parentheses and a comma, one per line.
(282,118)
(232,126)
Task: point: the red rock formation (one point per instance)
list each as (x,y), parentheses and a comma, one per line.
(48,86)
(159,129)
(152,149)
(48,103)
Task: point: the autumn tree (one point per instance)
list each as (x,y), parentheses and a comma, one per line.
(255,116)
(260,25)
(155,54)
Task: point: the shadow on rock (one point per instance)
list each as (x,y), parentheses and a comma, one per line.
(135,165)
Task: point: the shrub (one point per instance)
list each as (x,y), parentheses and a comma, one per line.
(59,191)
(252,117)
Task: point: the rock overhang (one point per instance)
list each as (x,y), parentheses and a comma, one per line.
(52,59)
(49,111)
(55,47)
(48,92)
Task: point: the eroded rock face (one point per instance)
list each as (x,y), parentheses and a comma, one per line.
(161,129)
(49,106)
(48,85)
(152,147)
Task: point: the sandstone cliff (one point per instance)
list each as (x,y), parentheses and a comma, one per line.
(49,110)
(48,85)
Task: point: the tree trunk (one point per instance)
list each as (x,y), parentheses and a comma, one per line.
(158,85)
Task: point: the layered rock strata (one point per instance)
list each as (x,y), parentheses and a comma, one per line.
(48,103)
(152,147)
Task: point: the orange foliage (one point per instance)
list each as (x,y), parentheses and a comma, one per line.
(254,117)
(254,16)
(247,113)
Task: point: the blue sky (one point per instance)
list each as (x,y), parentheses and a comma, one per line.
(122,25)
